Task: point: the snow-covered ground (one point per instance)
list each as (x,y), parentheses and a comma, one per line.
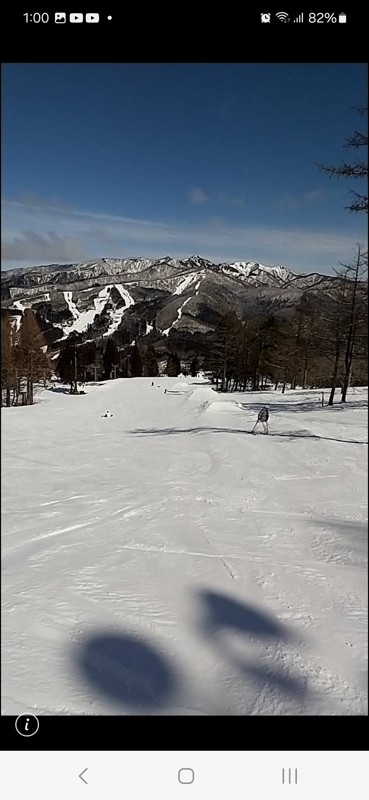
(165,561)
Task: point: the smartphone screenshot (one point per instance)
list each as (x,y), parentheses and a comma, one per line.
(184,403)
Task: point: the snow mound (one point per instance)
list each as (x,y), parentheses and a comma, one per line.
(181,386)
(222,405)
(199,399)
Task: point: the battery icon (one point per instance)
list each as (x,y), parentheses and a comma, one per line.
(342,17)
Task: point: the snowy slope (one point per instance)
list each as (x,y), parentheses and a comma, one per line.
(179,314)
(187,281)
(85,318)
(259,273)
(165,561)
(118,313)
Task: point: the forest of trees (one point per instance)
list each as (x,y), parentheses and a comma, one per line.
(323,343)
(24,360)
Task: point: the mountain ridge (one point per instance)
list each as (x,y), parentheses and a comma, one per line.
(102,297)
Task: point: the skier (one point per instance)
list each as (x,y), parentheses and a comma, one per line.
(152,383)
(263,417)
(165,391)
(108,414)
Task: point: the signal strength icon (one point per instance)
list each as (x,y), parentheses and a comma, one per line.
(282,16)
(300,18)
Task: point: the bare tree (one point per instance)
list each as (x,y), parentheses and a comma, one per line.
(8,360)
(33,360)
(353,275)
(333,332)
(356,170)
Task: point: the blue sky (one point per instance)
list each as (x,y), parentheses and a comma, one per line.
(118,160)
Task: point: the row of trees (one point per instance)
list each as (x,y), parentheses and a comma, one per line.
(92,361)
(24,358)
(323,343)
(80,362)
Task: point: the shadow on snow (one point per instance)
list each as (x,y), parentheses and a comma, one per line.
(127,670)
(224,614)
(299,434)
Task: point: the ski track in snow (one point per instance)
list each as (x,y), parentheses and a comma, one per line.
(234,564)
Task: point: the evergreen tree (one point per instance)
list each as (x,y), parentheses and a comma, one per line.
(86,359)
(194,368)
(173,365)
(136,362)
(111,357)
(152,363)
(67,363)
(98,364)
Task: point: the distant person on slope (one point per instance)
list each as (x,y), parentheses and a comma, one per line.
(263,417)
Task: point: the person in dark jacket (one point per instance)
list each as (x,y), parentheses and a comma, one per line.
(263,417)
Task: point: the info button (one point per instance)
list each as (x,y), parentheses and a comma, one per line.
(27,724)
(186,775)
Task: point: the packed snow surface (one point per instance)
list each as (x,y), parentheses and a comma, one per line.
(165,561)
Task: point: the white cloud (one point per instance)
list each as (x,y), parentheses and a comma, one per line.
(231,200)
(291,202)
(44,236)
(197,196)
(47,248)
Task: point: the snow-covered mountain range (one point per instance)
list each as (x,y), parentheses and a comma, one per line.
(113,294)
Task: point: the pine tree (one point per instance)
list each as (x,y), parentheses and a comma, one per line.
(111,357)
(86,359)
(194,368)
(173,365)
(152,363)
(136,363)
(67,363)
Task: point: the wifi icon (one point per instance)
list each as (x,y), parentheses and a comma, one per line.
(282,16)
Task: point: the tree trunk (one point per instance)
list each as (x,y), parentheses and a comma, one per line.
(334,378)
(284,380)
(29,392)
(224,376)
(304,377)
(349,354)
(349,357)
